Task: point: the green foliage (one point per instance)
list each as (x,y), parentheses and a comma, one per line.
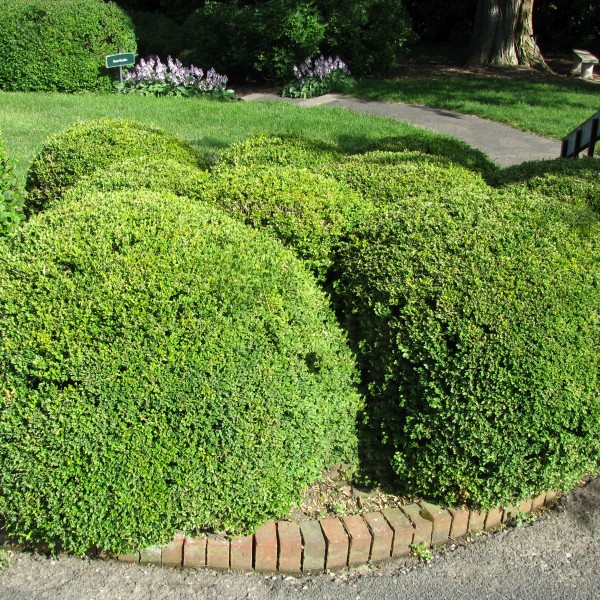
(274,150)
(162,368)
(60,45)
(306,211)
(158,175)
(567,180)
(384,177)
(157,34)
(91,145)
(449,148)
(11,199)
(369,35)
(324,76)
(476,322)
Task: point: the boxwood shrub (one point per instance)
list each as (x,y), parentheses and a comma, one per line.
(567,180)
(159,175)
(162,368)
(11,198)
(270,150)
(60,45)
(91,145)
(477,325)
(306,211)
(384,177)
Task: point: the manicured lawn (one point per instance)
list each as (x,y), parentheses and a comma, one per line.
(551,108)
(27,119)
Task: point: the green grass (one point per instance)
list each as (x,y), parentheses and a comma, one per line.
(551,109)
(27,119)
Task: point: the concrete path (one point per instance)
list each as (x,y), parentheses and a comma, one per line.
(503,144)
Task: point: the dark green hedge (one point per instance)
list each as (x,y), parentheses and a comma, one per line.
(306,211)
(11,198)
(384,177)
(476,320)
(162,368)
(567,180)
(92,145)
(285,151)
(156,174)
(60,45)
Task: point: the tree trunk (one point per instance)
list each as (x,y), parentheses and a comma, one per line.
(503,35)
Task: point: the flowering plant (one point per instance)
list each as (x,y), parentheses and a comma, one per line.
(318,77)
(152,77)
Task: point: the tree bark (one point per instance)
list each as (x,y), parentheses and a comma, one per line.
(503,35)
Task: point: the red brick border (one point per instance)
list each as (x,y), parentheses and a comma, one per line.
(332,543)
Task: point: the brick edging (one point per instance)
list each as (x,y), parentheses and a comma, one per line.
(333,543)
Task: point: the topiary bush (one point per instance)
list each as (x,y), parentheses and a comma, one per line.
(476,320)
(306,211)
(270,150)
(162,368)
(159,175)
(384,177)
(91,145)
(60,45)
(11,198)
(567,180)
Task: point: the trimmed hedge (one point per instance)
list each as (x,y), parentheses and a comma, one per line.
(306,211)
(162,368)
(567,180)
(476,323)
(384,177)
(156,174)
(92,145)
(60,45)
(270,150)
(11,199)
(449,148)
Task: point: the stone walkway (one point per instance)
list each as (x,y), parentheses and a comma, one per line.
(503,144)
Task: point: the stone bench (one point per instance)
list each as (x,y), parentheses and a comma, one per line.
(583,64)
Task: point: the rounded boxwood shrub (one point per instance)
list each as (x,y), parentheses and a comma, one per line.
(567,180)
(11,198)
(384,177)
(476,323)
(450,148)
(162,368)
(306,211)
(270,150)
(159,175)
(91,145)
(61,45)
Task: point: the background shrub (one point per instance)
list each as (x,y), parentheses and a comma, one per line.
(476,323)
(91,145)
(564,179)
(162,368)
(158,175)
(11,199)
(306,211)
(271,150)
(60,45)
(157,34)
(384,177)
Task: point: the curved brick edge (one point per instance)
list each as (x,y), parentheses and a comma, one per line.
(328,544)
(332,543)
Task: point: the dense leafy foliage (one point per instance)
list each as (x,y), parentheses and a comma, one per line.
(91,145)
(307,212)
(271,150)
(11,199)
(318,77)
(562,179)
(60,45)
(476,322)
(162,368)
